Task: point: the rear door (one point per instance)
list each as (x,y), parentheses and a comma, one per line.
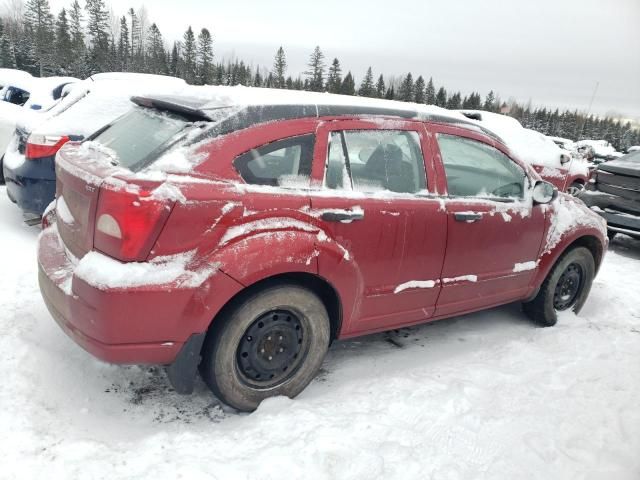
(375,201)
(494,231)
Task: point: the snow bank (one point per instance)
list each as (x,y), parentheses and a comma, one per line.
(413,284)
(103,272)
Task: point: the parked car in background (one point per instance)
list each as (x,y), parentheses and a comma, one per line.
(634,148)
(29,160)
(614,193)
(566,144)
(597,151)
(243,230)
(565,171)
(28,96)
(11,77)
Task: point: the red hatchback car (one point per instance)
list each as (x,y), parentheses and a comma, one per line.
(241,233)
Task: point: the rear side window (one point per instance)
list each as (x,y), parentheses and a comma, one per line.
(140,136)
(282,163)
(476,169)
(17,96)
(375,160)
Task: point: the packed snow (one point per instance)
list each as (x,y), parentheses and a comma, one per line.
(525,266)
(482,396)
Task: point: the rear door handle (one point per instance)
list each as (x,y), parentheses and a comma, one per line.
(345,216)
(468,217)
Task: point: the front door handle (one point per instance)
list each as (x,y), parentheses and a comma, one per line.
(467,217)
(345,216)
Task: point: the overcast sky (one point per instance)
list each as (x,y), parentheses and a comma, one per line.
(552,52)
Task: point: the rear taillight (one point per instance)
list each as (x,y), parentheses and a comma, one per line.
(41,146)
(128,224)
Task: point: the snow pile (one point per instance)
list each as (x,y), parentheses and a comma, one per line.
(103,272)
(413,284)
(567,214)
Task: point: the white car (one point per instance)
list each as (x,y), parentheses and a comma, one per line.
(25,96)
(88,106)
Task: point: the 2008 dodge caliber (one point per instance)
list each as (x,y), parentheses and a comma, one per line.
(240,231)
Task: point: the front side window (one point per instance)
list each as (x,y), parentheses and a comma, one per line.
(375,160)
(282,163)
(476,169)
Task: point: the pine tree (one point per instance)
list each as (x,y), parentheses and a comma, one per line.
(77,67)
(39,25)
(390,94)
(98,31)
(455,101)
(441,97)
(419,90)
(315,74)
(7,54)
(430,93)
(334,79)
(490,102)
(279,69)
(205,57)
(367,88)
(124,46)
(348,86)
(406,91)
(157,60)
(64,46)
(189,56)
(174,63)
(380,87)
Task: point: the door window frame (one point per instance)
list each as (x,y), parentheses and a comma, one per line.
(436,129)
(321,152)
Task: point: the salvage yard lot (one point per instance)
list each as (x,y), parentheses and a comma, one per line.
(480,396)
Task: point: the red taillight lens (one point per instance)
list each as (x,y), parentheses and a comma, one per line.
(128,224)
(41,146)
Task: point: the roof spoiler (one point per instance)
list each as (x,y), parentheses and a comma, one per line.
(192,113)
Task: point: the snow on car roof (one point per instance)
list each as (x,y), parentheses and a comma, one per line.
(275,104)
(97,101)
(10,76)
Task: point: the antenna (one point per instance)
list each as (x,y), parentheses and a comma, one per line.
(595,90)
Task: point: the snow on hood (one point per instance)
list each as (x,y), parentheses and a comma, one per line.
(527,145)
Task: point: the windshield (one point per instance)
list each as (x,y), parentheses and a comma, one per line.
(140,136)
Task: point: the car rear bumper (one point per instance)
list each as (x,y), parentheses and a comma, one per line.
(32,185)
(147,325)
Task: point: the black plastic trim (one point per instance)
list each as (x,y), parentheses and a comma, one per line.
(182,372)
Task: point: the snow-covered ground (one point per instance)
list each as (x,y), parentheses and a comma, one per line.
(484,396)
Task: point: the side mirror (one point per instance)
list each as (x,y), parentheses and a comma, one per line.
(564,158)
(544,192)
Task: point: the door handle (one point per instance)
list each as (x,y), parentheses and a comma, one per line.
(345,216)
(467,217)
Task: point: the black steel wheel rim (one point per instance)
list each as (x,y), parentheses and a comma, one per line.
(271,349)
(568,287)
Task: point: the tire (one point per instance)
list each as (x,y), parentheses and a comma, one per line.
(557,291)
(575,189)
(242,344)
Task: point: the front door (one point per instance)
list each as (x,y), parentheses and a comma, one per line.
(494,230)
(374,201)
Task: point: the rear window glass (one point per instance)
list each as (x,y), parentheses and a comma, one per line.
(140,136)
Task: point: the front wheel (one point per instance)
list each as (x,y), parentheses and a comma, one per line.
(270,344)
(566,287)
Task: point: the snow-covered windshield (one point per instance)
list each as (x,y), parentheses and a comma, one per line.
(140,136)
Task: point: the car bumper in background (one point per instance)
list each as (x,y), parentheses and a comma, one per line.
(622,215)
(32,184)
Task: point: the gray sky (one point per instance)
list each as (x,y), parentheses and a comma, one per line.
(549,51)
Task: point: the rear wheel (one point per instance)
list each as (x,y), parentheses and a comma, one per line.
(566,287)
(272,343)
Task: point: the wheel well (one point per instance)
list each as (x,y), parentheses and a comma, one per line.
(316,284)
(593,245)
